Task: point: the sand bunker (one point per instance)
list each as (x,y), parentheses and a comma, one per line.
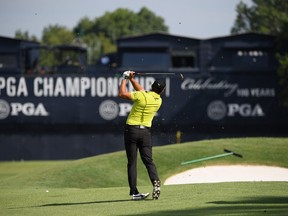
(233,173)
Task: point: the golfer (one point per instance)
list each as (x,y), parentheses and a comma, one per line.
(137,131)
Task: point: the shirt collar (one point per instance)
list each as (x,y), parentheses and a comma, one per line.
(154,94)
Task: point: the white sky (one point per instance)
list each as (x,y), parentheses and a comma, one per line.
(191,18)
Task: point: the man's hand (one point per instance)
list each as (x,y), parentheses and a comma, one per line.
(123,91)
(131,75)
(134,83)
(126,74)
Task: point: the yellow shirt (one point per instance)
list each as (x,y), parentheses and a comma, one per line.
(144,108)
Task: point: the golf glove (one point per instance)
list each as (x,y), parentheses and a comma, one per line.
(126,74)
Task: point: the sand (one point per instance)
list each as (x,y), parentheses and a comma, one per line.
(233,173)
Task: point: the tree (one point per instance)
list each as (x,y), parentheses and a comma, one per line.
(97,43)
(148,22)
(25,36)
(283,74)
(83,27)
(100,35)
(114,25)
(269,17)
(57,35)
(264,16)
(124,22)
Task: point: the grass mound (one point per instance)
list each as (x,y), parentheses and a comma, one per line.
(109,170)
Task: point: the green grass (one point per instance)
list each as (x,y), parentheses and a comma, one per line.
(98,185)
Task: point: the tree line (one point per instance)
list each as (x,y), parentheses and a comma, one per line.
(99,35)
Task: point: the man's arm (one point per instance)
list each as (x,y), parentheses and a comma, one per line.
(123,93)
(134,83)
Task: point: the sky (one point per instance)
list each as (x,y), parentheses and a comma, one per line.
(190,18)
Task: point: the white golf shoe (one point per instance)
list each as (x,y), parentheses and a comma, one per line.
(140,196)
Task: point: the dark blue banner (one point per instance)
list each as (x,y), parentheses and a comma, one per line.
(222,99)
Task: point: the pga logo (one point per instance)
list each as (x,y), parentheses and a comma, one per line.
(109,109)
(218,110)
(27,109)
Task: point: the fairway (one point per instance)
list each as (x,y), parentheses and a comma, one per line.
(98,185)
(202,199)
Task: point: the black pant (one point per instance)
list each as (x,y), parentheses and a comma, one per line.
(138,138)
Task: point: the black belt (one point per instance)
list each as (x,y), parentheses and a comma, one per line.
(138,126)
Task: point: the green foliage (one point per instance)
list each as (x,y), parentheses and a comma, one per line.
(264,16)
(149,22)
(268,17)
(25,36)
(57,35)
(83,27)
(100,35)
(283,75)
(124,22)
(93,46)
(116,24)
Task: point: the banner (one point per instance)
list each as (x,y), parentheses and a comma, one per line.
(217,99)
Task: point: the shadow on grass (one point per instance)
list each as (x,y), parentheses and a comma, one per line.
(224,210)
(81,203)
(250,206)
(258,200)
(255,206)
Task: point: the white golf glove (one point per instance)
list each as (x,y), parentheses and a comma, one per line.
(126,74)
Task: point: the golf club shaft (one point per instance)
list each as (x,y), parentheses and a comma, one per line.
(140,73)
(180,75)
(206,158)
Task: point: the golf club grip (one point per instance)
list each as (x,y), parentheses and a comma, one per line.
(226,150)
(234,153)
(238,155)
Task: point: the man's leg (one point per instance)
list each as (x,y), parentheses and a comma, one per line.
(131,153)
(145,149)
(146,155)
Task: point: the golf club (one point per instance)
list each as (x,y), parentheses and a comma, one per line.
(228,152)
(165,74)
